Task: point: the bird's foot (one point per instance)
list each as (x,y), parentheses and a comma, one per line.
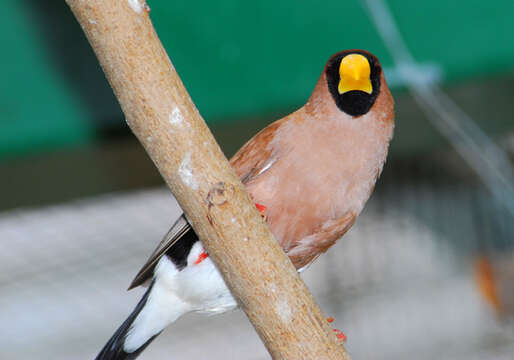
(203,255)
(339,334)
(262,209)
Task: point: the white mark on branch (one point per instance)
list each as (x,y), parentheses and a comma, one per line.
(283,310)
(186,172)
(176,117)
(91,21)
(135,5)
(149,139)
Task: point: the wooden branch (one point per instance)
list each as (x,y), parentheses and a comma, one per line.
(161,114)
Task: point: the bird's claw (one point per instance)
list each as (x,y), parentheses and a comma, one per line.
(341,337)
(262,209)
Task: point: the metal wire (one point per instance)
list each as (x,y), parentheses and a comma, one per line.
(398,283)
(487,159)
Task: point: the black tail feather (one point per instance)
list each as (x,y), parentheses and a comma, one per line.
(113,350)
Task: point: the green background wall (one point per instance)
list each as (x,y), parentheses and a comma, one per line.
(238,59)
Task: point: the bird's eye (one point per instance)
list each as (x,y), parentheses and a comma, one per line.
(353,79)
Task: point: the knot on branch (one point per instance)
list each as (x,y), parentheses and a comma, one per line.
(220,193)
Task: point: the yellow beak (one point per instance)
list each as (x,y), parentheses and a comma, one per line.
(354,74)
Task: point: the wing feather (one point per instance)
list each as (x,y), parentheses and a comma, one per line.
(176,232)
(252,160)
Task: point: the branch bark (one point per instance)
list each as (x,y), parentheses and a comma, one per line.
(161,114)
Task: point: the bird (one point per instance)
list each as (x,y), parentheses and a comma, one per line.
(309,174)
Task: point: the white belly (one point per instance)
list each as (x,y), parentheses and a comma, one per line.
(200,286)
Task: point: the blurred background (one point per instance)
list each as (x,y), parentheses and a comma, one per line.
(427,271)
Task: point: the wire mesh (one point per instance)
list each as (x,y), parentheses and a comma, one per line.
(401,282)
